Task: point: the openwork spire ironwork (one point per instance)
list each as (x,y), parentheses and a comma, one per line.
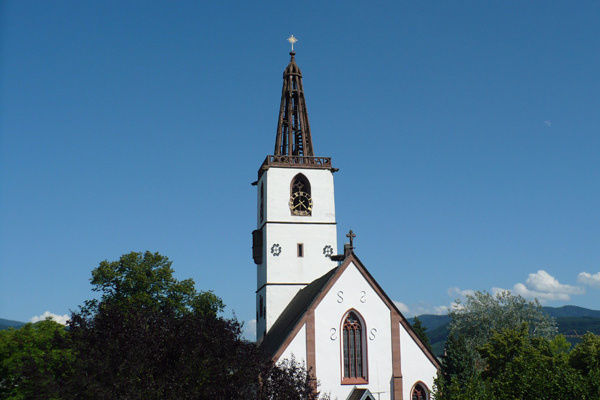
(293,143)
(293,130)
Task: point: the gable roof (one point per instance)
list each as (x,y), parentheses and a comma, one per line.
(360,394)
(293,317)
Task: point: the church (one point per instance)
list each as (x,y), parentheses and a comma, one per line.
(313,304)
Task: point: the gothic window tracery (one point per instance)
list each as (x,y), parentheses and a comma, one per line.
(354,349)
(419,392)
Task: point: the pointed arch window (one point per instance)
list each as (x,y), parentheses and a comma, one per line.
(419,392)
(300,196)
(354,349)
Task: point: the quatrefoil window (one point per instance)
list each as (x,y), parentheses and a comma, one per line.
(328,251)
(276,249)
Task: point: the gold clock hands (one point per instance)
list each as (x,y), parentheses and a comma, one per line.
(294,206)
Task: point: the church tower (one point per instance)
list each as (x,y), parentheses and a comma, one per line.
(296,227)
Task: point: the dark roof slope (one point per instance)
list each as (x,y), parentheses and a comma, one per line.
(360,394)
(292,314)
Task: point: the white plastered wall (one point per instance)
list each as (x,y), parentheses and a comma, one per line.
(297,348)
(415,364)
(277,299)
(285,274)
(287,267)
(328,316)
(277,193)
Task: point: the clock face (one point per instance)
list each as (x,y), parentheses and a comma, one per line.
(301,203)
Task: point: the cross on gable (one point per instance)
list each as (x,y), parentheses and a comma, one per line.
(351,236)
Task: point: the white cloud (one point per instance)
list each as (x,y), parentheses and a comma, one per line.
(544,282)
(249,330)
(458,295)
(589,279)
(61,319)
(524,291)
(548,123)
(402,307)
(441,310)
(544,287)
(455,291)
(497,290)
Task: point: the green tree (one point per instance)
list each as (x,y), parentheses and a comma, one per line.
(421,332)
(459,379)
(522,366)
(150,336)
(35,361)
(473,322)
(481,314)
(457,362)
(585,358)
(146,280)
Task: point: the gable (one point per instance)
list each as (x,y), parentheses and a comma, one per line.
(352,293)
(395,312)
(307,300)
(360,394)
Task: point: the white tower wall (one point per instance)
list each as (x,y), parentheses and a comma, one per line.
(283,272)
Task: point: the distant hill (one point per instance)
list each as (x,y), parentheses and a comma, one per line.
(572,322)
(7,323)
(571,311)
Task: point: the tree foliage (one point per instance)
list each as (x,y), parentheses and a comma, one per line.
(146,280)
(151,336)
(130,352)
(489,356)
(35,361)
(520,365)
(421,332)
(482,314)
(585,358)
(147,336)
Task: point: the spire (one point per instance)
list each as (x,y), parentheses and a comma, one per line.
(293,131)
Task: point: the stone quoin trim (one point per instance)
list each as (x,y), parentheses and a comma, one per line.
(396,356)
(311,359)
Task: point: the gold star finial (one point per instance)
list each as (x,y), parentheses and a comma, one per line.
(292,40)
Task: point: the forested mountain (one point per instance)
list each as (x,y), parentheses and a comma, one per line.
(7,323)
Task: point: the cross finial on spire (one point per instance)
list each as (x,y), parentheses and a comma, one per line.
(351,235)
(292,40)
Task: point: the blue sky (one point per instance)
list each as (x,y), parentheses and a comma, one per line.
(466,133)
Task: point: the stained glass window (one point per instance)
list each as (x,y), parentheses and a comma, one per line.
(419,392)
(353,347)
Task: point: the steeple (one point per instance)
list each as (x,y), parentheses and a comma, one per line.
(293,130)
(295,216)
(293,142)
